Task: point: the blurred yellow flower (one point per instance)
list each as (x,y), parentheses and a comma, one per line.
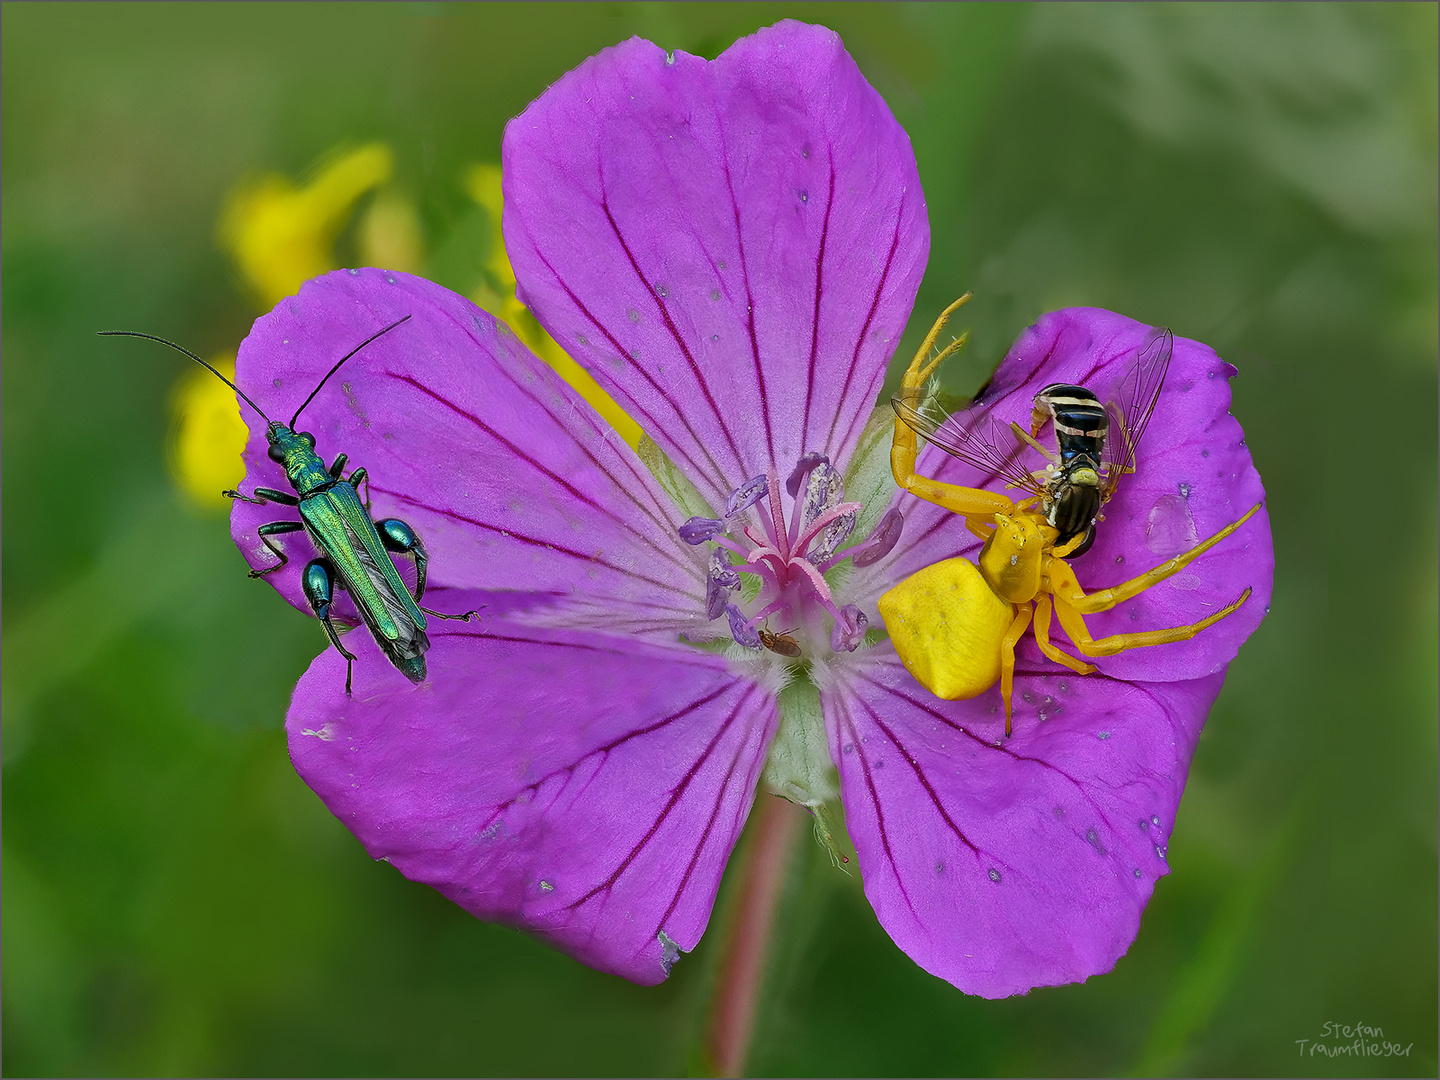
(282,235)
(497,296)
(390,236)
(208,436)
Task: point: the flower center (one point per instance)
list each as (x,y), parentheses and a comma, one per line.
(789,554)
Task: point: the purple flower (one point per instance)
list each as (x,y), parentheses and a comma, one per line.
(732,249)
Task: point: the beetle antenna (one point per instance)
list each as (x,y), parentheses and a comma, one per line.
(187,352)
(342,360)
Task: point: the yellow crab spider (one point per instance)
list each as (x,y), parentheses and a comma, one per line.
(955,624)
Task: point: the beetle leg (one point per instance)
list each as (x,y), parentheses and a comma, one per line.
(358,477)
(318,584)
(264,495)
(397,536)
(453,618)
(276,528)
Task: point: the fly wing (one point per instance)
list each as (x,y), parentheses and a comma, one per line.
(978,441)
(1132,404)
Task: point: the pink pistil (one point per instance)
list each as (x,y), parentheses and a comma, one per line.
(778,552)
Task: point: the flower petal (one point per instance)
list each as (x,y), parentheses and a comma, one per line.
(584,788)
(1004,864)
(511,480)
(731,248)
(1194,475)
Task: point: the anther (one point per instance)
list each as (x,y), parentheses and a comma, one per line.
(882,541)
(822,491)
(716,597)
(698,530)
(719,583)
(849,629)
(741,630)
(722,571)
(802,469)
(745,496)
(834,526)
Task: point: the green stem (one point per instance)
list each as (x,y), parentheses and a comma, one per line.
(776,824)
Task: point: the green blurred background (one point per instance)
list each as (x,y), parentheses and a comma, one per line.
(1262,178)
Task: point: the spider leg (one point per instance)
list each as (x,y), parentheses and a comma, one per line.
(1048,647)
(919,371)
(1074,625)
(1007,657)
(1104,599)
(972,502)
(981,529)
(906,446)
(1064,550)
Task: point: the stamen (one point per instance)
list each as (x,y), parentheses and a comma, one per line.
(788,557)
(769,609)
(722,571)
(743,633)
(700,529)
(823,488)
(716,597)
(849,629)
(746,495)
(822,491)
(836,528)
(802,470)
(882,541)
(835,534)
(719,583)
(731,545)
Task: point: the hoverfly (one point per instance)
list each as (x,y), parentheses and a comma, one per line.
(1096,443)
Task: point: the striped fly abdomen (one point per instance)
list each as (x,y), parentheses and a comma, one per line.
(1072,497)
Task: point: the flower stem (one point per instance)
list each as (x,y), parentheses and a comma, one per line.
(742,965)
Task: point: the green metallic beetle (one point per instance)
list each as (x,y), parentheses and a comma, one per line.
(354,549)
